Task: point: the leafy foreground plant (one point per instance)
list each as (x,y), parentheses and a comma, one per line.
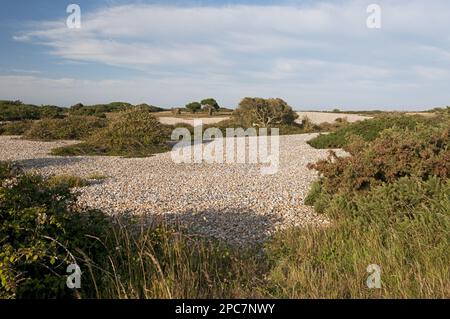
(135,132)
(42,231)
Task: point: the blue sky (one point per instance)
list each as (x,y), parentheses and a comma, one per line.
(313,54)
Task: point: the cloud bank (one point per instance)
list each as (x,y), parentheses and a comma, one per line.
(318,55)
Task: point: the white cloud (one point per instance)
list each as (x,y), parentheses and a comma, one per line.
(320,53)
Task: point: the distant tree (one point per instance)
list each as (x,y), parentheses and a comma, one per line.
(264,112)
(336,111)
(176,111)
(210,102)
(77,106)
(194,107)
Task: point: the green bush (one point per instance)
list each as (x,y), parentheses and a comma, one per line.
(367,130)
(135,132)
(194,107)
(263,113)
(17,111)
(69,128)
(15,128)
(98,110)
(42,231)
(423,153)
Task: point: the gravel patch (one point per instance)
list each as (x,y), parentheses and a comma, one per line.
(205,120)
(325,117)
(234,202)
(315,117)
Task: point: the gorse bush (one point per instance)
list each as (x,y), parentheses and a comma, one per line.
(368,130)
(135,132)
(422,152)
(69,128)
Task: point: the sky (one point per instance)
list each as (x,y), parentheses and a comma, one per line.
(316,55)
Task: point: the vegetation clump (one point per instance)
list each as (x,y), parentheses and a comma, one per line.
(259,112)
(18,111)
(101,110)
(135,132)
(368,130)
(68,128)
(15,128)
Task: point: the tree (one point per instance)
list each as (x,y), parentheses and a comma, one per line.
(210,102)
(194,107)
(264,112)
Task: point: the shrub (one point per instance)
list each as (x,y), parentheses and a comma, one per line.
(15,128)
(69,128)
(263,113)
(135,132)
(42,231)
(150,108)
(367,130)
(17,111)
(98,110)
(212,103)
(193,107)
(421,153)
(51,112)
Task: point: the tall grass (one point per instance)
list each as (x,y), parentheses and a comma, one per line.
(412,250)
(160,262)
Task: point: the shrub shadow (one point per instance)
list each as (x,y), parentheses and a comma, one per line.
(48,162)
(235,225)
